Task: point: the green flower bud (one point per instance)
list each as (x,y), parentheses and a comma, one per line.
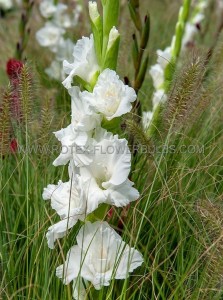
(111,56)
(110,19)
(97,29)
(93,11)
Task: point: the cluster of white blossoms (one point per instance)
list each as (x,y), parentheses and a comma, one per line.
(157,72)
(99,164)
(51,36)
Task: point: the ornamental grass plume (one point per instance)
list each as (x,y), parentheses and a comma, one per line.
(186,91)
(210,215)
(15,111)
(22,90)
(5,123)
(10,110)
(99,162)
(14,69)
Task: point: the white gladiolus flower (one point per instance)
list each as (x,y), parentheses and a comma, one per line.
(6,4)
(99,256)
(157,74)
(190,31)
(84,120)
(164,57)
(71,202)
(60,17)
(198,19)
(159,97)
(146,119)
(113,35)
(93,10)
(50,36)
(108,172)
(111,97)
(85,63)
(47,8)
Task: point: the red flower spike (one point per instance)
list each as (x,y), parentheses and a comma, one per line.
(14,68)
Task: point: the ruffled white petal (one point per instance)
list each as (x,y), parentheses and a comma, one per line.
(70,140)
(129,261)
(110,96)
(157,74)
(146,119)
(164,57)
(61,17)
(59,230)
(159,97)
(85,63)
(47,8)
(123,194)
(71,268)
(50,36)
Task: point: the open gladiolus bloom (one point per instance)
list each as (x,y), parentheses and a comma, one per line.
(99,164)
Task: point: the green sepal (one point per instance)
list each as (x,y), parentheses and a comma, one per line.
(135,17)
(26,39)
(145,33)
(112,126)
(110,19)
(22,25)
(94,80)
(134,3)
(178,41)
(83,83)
(135,51)
(111,57)
(89,86)
(99,214)
(97,29)
(168,74)
(142,73)
(186,10)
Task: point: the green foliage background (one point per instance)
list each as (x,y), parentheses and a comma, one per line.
(178,222)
